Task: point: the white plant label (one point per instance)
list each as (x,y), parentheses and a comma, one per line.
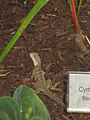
(79,92)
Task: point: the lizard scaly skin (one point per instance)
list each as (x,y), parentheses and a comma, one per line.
(41,85)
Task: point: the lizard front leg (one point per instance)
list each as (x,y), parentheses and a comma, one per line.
(37,90)
(53,87)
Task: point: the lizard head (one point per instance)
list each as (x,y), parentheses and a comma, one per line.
(35,58)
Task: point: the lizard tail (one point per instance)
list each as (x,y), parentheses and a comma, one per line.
(55,98)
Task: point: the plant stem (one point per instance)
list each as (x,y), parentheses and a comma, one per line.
(74,14)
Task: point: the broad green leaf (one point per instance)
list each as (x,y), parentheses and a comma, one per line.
(9,110)
(30,104)
(37,118)
(4,116)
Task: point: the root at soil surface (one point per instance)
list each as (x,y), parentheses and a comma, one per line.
(80,43)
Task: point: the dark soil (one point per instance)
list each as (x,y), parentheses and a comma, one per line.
(52,35)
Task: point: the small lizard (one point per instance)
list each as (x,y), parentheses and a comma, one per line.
(40,84)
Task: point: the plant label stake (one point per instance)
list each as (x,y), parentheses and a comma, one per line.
(79,92)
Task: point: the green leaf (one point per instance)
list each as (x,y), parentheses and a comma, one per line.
(30,104)
(69,4)
(79,6)
(4,116)
(37,118)
(9,110)
(25,23)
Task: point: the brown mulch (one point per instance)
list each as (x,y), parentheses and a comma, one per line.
(52,35)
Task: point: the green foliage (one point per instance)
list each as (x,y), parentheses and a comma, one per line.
(30,104)
(70,4)
(25,105)
(79,6)
(9,110)
(22,27)
(37,118)
(73,11)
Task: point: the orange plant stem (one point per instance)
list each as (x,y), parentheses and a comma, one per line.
(74,14)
